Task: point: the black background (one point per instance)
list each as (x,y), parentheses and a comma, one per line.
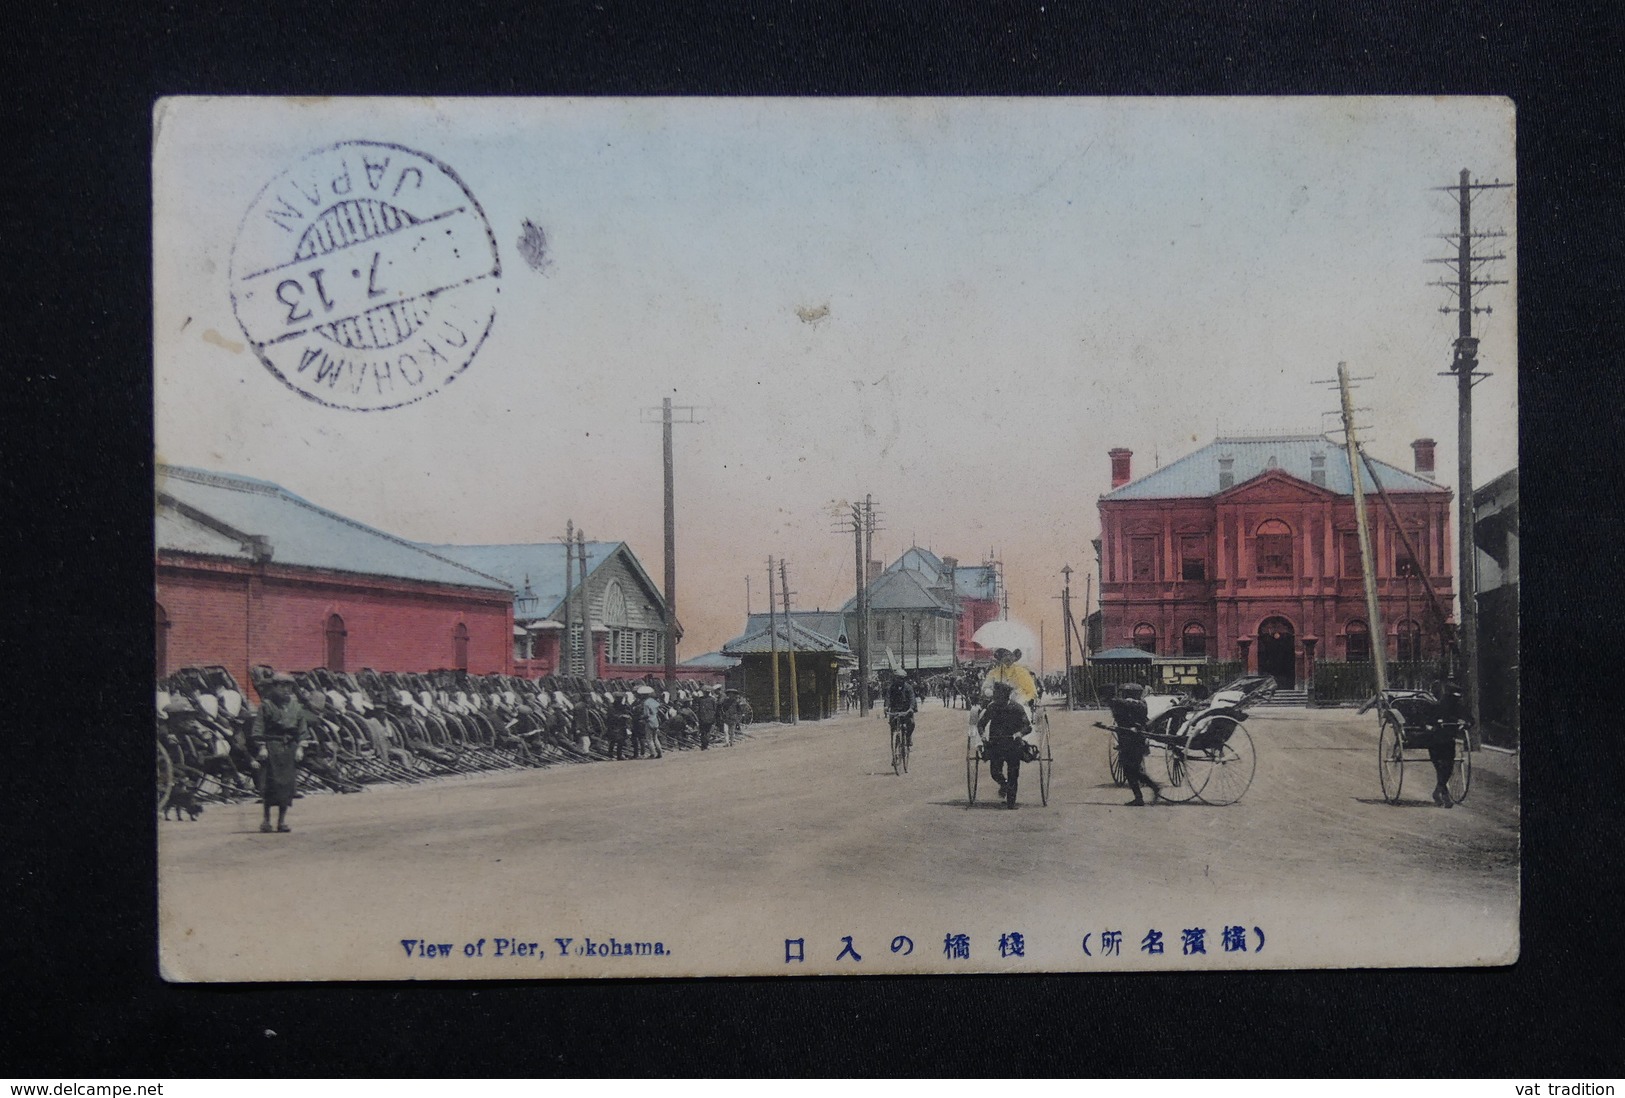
(79,919)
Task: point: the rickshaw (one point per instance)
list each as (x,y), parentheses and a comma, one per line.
(1206,753)
(1038,751)
(1417,721)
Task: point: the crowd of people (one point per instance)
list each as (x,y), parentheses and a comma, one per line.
(326,730)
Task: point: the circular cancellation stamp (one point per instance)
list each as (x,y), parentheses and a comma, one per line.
(365,276)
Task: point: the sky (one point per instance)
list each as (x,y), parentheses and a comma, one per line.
(957,306)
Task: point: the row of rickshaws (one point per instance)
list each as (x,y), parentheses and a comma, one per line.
(1199,743)
(401,727)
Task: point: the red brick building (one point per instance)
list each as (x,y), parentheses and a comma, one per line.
(1247,550)
(249,573)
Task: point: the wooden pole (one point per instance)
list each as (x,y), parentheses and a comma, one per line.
(589,658)
(1066,632)
(1368,563)
(790,633)
(773,637)
(567,649)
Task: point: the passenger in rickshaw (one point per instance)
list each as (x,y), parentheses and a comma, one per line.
(1004,722)
(1006,669)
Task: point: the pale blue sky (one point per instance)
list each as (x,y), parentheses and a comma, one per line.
(1013,287)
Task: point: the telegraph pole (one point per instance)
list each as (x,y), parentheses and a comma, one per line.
(567,649)
(666,420)
(1066,617)
(773,637)
(589,660)
(790,633)
(1464,368)
(863,532)
(1368,570)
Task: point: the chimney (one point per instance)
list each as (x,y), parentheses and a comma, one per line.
(1423,449)
(873,572)
(1120,466)
(949,566)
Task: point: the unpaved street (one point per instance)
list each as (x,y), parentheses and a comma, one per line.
(804,834)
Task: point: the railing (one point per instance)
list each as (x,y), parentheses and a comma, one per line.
(1342,683)
(1097,680)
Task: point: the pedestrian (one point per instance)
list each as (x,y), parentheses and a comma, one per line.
(621,716)
(281,730)
(1130,715)
(1004,722)
(649,716)
(706,712)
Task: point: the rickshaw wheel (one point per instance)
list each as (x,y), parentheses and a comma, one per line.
(973,769)
(166,777)
(1221,775)
(1046,760)
(1461,775)
(1391,758)
(1182,785)
(1114,762)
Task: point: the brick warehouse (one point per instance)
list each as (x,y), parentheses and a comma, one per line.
(1246,550)
(249,573)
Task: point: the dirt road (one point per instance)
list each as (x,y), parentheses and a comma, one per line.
(726,859)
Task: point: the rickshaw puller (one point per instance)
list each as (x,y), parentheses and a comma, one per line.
(1005,747)
(1130,715)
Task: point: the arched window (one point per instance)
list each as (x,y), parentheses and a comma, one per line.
(160,639)
(614,605)
(1274,549)
(1145,637)
(335,643)
(1195,640)
(1410,641)
(459,647)
(1358,639)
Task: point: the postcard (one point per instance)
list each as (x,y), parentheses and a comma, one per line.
(798,537)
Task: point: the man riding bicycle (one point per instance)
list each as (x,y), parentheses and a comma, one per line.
(901,705)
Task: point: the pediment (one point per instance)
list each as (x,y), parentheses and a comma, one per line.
(1274,486)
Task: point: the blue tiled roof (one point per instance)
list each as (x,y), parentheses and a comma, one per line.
(974,581)
(714,661)
(299,532)
(1197,475)
(830,623)
(916,559)
(805,641)
(900,590)
(539,563)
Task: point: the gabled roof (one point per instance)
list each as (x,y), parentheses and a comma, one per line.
(916,559)
(1196,476)
(805,640)
(1112,654)
(542,564)
(221,515)
(975,581)
(712,661)
(830,623)
(900,590)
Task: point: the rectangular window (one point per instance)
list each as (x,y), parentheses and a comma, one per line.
(1419,542)
(646,647)
(1142,557)
(1193,559)
(1275,554)
(1351,554)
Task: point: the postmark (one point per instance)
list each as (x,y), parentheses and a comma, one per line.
(366,276)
